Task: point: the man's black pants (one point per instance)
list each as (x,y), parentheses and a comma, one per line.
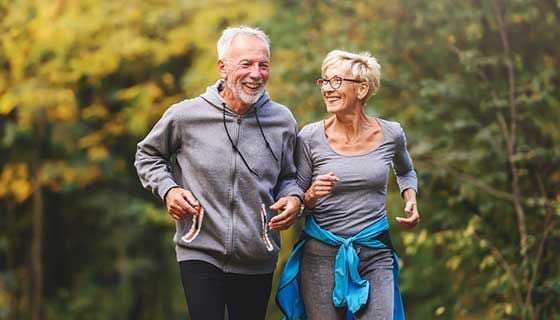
(209,290)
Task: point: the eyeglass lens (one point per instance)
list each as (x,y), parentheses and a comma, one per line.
(334,82)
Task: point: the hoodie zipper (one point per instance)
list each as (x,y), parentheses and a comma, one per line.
(232,196)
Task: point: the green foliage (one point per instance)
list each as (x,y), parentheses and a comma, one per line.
(82,82)
(445,78)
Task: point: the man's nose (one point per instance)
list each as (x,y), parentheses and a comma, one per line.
(255,71)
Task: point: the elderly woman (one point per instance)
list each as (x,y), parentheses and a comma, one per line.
(345,264)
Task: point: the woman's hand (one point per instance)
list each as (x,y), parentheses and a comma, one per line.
(321,187)
(410,209)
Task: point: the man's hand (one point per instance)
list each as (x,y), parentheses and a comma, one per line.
(181,203)
(290,206)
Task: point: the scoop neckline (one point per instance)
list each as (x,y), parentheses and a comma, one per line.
(324,137)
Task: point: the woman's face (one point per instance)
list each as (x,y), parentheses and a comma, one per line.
(344,98)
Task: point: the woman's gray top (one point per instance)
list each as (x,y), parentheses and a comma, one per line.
(358,199)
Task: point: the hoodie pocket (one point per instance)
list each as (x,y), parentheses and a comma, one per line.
(196,226)
(264,224)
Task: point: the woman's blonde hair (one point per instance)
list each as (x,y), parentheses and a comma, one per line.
(363,66)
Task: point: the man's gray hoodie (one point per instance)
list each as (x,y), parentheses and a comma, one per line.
(234,187)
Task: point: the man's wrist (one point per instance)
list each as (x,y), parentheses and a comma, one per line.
(167,193)
(301,210)
(297,196)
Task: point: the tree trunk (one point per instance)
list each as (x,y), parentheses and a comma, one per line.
(37,225)
(14,295)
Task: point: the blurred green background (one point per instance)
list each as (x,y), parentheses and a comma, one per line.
(473,82)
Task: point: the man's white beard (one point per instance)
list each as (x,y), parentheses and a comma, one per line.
(246,98)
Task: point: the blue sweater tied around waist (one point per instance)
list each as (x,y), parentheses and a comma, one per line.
(350,290)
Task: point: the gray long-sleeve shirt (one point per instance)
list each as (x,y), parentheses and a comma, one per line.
(359,198)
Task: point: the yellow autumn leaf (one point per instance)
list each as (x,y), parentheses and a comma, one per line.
(7,104)
(5,178)
(7,173)
(69,175)
(97,153)
(168,79)
(129,93)
(22,170)
(63,113)
(88,175)
(24,119)
(90,140)
(115,128)
(422,237)
(453,263)
(119,165)
(451,39)
(21,189)
(408,238)
(95,111)
(474,31)
(487,261)
(3,189)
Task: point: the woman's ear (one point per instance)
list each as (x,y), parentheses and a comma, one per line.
(363,90)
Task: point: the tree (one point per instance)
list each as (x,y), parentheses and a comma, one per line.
(473,84)
(82,83)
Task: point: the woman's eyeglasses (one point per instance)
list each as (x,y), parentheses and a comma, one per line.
(335,82)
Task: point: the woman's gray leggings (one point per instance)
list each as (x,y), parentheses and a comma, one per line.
(317,282)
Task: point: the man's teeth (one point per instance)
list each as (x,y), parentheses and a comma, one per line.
(332,99)
(253,85)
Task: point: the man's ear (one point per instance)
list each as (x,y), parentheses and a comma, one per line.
(222,69)
(363,90)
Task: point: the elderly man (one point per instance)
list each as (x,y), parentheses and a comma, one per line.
(223,164)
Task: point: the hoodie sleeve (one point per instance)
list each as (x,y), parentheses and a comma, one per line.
(287,185)
(153,155)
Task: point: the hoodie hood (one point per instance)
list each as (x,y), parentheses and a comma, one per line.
(212,95)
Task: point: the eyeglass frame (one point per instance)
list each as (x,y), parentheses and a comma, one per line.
(323,80)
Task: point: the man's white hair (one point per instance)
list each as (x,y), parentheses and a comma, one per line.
(363,66)
(229,34)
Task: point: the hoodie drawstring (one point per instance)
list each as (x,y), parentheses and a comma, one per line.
(264,137)
(231,141)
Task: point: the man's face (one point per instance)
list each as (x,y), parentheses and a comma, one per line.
(246,68)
